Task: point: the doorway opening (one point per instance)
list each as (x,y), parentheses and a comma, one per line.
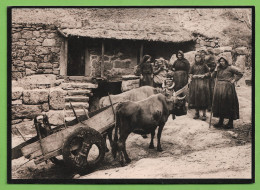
(103,89)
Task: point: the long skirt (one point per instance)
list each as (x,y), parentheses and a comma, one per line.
(180,78)
(147,80)
(211,88)
(225,103)
(199,94)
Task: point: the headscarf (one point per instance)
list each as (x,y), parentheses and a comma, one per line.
(145,58)
(226,61)
(180,52)
(198,54)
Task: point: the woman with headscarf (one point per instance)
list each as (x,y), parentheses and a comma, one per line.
(209,60)
(181,69)
(146,70)
(199,94)
(159,72)
(225,103)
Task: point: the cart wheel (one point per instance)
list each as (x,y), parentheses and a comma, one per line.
(83,150)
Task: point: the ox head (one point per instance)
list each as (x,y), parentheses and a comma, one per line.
(176,103)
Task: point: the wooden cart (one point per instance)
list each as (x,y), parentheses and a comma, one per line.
(73,142)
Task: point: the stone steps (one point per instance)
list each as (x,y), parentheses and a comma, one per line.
(79,92)
(74,85)
(77,99)
(77,105)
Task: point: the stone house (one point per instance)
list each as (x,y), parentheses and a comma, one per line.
(53,65)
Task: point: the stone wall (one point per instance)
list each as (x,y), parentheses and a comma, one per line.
(119,60)
(38,94)
(35,50)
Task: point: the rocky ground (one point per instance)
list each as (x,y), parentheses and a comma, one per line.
(190,150)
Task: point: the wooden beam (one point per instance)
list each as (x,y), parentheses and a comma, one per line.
(102,59)
(64,57)
(141,52)
(88,69)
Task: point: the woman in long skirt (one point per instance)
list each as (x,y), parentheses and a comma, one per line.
(181,68)
(225,103)
(199,94)
(146,70)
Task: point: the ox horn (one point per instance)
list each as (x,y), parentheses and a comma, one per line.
(181,98)
(171,87)
(163,84)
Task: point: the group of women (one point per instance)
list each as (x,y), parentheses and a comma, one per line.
(210,84)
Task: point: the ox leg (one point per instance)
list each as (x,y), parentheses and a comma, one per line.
(151,146)
(105,139)
(159,148)
(122,150)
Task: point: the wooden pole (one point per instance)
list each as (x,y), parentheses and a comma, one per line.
(213,98)
(102,59)
(141,52)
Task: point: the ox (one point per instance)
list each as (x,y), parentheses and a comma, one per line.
(134,95)
(143,117)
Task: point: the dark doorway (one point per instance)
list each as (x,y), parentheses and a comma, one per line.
(103,89)
(76,57)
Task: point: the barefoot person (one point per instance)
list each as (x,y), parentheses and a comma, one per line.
(225,104)
(199,94)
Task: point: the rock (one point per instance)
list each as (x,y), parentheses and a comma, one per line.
(35,96)
(31,65)
(41,79)
(219,50)
(57,98)
(17,92)
(78,85)
(226,55)
(226,48)
(56,117)
(58,82)
(27,34)
(20,111)
(49,42)
(130,84)
(17,102)
(45,66)
(45,107)
(241,50)
(18,63)
(29,72)
(33,43)
(48,71)
(28,58)
(36,34)
(16,35)
(241,62)
(41,50)
(16,121)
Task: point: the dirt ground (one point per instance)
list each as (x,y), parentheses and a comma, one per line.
(190,150)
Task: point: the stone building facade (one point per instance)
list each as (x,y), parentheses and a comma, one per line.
(50,69)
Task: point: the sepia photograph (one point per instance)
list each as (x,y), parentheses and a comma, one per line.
(131,93)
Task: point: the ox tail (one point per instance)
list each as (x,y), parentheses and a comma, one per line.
(117,123)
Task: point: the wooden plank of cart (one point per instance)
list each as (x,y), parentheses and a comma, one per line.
(74,142)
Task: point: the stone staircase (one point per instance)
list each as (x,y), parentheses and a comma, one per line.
(78,94)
